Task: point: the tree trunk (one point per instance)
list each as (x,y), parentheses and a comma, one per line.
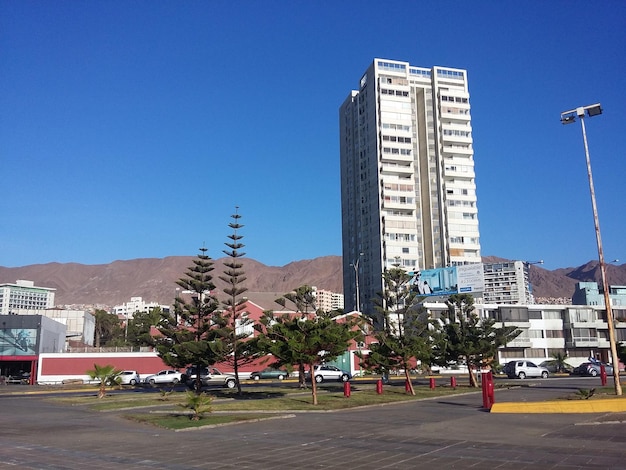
(236,369)
(407,376)
(302,376)
(473,382)
(313,385)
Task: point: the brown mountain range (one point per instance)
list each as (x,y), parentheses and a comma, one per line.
(154,279)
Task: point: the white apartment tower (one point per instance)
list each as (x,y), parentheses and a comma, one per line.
(408,191)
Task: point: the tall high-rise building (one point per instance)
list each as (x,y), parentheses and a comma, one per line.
(408,191)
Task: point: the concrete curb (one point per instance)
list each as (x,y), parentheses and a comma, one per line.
(608,405)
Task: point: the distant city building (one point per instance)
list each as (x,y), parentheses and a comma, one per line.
(137,304)
(576,330)
(408,190)
(507,283)
(80,324)
(589,293)
(24,295)
(328,301)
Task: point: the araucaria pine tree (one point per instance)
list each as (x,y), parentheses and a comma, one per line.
(303,299)
(195,335)
(406,333)
(470,339)
(307,340)
(241,349)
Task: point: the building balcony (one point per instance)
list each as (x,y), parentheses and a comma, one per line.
(582,342)
(519,343)
(395,157)
(402,206)
(399,170)
(597,324)
(458,149)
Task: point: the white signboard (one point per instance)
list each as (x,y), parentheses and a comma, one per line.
(470,278)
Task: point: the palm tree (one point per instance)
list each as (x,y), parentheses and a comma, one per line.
(559,361)
(107,375)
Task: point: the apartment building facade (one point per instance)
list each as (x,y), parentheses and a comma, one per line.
(25,296)
(579,331)
(328,301)
(408,192)
(507,283)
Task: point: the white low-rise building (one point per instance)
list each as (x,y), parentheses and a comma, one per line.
(137,304)
(579,331)
(24,295)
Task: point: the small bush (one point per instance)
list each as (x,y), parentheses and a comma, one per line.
(198,404)
(585,394)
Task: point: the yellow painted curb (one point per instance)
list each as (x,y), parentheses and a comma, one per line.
(562,406)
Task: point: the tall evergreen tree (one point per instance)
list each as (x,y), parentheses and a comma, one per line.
(303,300)
(305,340)
(470,339)
(195,335)
(138,328)
(241,349)
(407,332)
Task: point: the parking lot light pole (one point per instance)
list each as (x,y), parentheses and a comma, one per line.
(568,117)
(355,265)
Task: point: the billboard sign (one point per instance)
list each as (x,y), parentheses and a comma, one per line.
(18,341)
(434,282)
(471,278)
(464,279)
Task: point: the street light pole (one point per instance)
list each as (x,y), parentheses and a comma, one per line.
(355,265)
(568,117)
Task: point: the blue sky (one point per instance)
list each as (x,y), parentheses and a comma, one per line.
(133,129)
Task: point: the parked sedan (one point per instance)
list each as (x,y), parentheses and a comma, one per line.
(209,376)
(592,369)
(554,368)
(327,372)
(129,377)
(164,377)
(269,373)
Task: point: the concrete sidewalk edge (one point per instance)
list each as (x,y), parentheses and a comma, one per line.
(562,406)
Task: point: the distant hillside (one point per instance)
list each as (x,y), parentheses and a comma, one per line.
(154,279)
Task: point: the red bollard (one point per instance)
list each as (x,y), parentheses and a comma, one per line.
(490,390)
(432,383)
(483,383)
(603,374)
(379,386)
(453,381)
(346,389)
(407,386)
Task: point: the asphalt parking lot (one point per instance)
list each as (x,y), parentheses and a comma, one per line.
(448,432)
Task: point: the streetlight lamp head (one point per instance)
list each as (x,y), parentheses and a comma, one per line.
(593,110)
(568,118)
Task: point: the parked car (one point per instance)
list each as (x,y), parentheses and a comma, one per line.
(164,377)
(553,367)
(523,369)
(209,376)
(129,377)
(269,373)
(592,369)
(19,378)
(327,372)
